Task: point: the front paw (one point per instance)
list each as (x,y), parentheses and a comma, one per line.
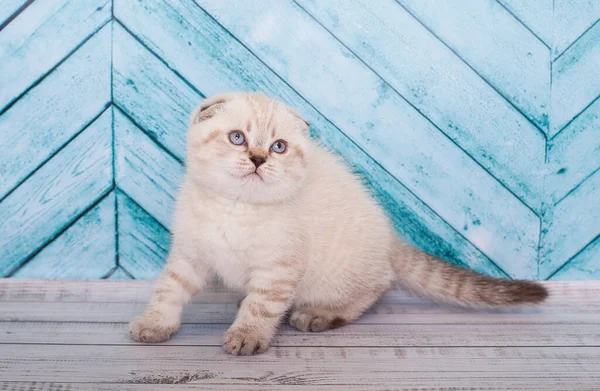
(244,341)
(152,327)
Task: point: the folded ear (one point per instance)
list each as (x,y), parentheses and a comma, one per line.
(297,115)
(209,107)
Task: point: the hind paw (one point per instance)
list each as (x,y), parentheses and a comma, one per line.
(315,320)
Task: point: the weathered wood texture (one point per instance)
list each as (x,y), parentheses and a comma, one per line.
(476,123)
(72,335)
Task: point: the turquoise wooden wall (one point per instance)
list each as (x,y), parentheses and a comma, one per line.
(476,122)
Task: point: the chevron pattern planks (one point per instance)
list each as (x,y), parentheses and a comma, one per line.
(476,123)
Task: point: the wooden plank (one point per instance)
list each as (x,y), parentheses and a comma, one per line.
(571,19)
(143,242)
(565,383)
(96,292)
(9,7)
(143,168)
(308,366)
(563,294)
(56,194)
(353,335)
(572,88)
(185,381)
(574,154)
(501,50)
(415,222)
(39,38)
(572,226)
(106,301)
(536,15)
(225,65)
(139,74)
(424,71)
(584,266)
(85,250)
(454,355)
(380,122)
(54,111)
(212,313)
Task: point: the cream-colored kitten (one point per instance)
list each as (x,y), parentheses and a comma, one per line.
(287,223)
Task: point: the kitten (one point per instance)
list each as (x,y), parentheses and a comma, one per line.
(287,223)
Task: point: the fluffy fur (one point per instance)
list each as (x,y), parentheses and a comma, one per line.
(298,233)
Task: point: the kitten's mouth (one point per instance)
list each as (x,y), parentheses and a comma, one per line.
(254,174)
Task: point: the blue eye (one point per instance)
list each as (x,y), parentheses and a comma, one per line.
(237,138)
(279,146)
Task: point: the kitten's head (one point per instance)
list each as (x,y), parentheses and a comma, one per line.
(248,147)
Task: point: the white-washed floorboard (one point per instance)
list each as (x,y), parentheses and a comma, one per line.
(72,335)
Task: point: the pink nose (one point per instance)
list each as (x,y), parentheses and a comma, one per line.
(257,160)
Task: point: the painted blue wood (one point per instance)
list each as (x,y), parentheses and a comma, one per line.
(53,112)
(92,236)
(397,44)
(143,242)
(571,226)
(475,123)
(572,18)
(8,8)
(41,36)
(137,74)
(488,38)
(583,266)
(419,225)
(574,155)
(56,194)
(535,15)
(572,87)
(142,168)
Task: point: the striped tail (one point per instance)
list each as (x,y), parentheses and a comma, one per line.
(430,276)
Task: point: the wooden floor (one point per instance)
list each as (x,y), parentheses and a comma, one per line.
(59,335)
